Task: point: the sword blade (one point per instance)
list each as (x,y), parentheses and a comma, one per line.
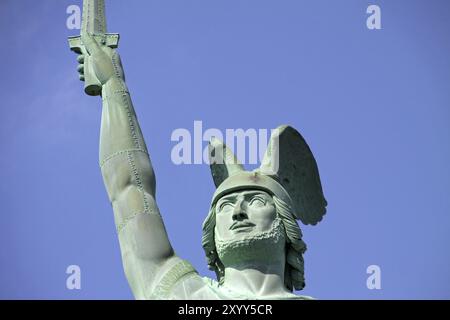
(93,20)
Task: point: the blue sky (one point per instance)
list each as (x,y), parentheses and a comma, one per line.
(372,104)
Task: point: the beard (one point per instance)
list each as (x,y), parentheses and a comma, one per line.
(265,246)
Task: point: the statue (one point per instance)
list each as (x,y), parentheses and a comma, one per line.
(251,237)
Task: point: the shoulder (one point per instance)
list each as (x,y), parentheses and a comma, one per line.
(181,281)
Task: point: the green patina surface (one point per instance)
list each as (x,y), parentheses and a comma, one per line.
(250,236)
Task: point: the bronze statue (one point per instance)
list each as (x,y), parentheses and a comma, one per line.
(251,237)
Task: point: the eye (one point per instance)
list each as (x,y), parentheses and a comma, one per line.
(226,205)
(257,201)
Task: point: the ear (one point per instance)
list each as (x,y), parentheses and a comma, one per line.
(222,161)
(289,158)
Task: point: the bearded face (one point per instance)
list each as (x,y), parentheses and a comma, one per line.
(248,229)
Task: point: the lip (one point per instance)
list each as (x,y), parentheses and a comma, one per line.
(241,225)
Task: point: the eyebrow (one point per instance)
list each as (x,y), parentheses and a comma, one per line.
(234,196)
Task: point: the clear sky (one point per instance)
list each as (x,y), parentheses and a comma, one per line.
(372,104)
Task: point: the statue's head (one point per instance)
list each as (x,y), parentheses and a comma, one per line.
(252,219)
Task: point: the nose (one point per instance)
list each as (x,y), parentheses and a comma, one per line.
(239,213)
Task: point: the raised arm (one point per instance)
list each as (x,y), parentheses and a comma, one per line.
(129,180)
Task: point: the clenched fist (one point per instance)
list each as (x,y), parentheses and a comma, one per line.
(98,64)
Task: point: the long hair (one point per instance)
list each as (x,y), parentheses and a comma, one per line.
(295,247)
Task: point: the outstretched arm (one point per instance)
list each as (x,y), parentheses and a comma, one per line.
(129,179)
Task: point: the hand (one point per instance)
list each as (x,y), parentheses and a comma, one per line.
(106,63)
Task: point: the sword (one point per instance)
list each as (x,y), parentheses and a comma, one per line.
(93,22)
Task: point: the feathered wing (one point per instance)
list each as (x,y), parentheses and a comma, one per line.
(222,161)
(289,159)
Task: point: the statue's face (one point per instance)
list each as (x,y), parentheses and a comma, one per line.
(243,214)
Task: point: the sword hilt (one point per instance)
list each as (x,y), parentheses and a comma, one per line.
(92,85)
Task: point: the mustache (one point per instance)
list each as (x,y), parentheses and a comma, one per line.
(239,224)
